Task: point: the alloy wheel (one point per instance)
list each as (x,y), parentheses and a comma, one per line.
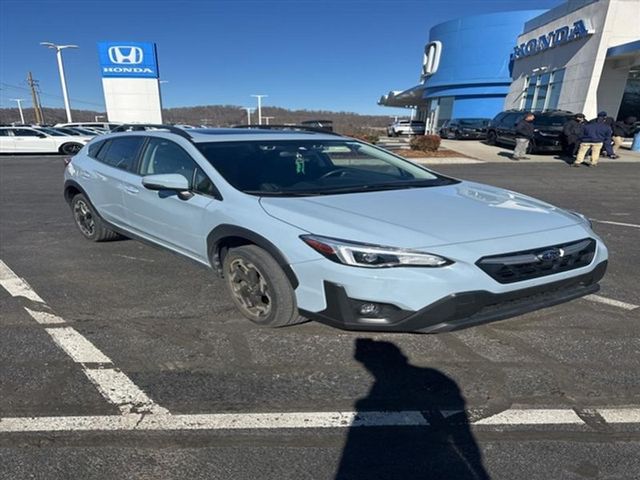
(250,288)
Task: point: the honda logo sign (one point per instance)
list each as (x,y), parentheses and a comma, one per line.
(130,55)
(128,59)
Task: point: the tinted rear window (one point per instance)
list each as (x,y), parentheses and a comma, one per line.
(121,153)
(551,120)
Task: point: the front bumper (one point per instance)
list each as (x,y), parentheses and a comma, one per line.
(457,310)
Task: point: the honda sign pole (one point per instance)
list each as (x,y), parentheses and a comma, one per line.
(63,82)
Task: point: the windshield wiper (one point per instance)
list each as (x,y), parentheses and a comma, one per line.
(280,193)
(386,186)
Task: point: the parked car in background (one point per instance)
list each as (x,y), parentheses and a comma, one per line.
(76,131)
(461,128)
(307,224)
(406,127)
(326,125)
(39,140)
(547,129)
(101,125)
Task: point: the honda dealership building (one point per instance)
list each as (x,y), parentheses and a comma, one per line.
(582,56)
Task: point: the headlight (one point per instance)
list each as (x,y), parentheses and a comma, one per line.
(371,256)
(582,217)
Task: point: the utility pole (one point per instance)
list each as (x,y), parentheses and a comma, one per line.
(259,97)
(34,98)
(19,102)
(248,115)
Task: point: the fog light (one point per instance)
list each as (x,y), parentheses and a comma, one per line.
(368,309)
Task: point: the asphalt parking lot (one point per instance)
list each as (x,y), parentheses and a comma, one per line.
(121,361)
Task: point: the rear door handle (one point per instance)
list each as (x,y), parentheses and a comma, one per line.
(132,190)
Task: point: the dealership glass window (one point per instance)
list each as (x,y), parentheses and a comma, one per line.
(554,90)
(542,92)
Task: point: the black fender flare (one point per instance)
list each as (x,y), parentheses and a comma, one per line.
(68,185)
(217,236)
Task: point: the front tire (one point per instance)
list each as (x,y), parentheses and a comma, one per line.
(70,148)
(492,138)
(88,222)
(259,287)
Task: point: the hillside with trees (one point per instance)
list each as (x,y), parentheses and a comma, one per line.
(219,116)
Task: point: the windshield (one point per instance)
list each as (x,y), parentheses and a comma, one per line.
(314,167)
(52,132)
(475,122)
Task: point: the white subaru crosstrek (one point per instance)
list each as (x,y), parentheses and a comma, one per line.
(305,224)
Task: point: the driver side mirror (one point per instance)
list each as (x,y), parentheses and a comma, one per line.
(169,181)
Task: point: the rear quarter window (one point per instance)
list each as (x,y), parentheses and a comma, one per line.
(94,148)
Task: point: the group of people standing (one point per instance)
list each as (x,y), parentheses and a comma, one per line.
(579,137)
(601,134)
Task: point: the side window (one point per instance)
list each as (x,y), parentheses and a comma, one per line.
(202,184)
(4,132)
(25,132)
(94,148)
(164,156)
(121,153)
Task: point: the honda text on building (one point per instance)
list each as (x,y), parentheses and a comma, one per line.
(306,224)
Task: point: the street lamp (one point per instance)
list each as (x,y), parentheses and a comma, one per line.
(19,100)
(248,115)
(259,97)
(63,82)
(266,119)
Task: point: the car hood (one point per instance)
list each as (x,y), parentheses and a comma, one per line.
(420,217)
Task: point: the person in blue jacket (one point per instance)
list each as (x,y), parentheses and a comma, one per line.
(594,136)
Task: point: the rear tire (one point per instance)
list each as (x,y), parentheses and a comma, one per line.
(259,287)
(70,148)
(88,222)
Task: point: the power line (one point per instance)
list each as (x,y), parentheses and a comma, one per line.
(51,95)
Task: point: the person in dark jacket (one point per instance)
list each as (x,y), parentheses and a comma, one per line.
(524,135)
(622,130)
(571,135)
(595,134)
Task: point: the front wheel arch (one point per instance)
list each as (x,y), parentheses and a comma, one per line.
(226,236)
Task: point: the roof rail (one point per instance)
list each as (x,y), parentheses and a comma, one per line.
(140,127)
(297,128)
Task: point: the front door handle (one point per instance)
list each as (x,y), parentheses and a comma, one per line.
(132,190)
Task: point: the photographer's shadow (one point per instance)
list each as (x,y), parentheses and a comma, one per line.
(444,449)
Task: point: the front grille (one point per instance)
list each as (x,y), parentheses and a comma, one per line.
(527,264)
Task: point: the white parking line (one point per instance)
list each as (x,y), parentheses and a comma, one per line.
(76,346)
(299,420)
(44,318)
(121,391)
(15,285)
(620,415)
(532,417)
(621,224)
(613,303)
(114,385)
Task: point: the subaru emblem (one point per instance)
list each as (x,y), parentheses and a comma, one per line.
(550,255)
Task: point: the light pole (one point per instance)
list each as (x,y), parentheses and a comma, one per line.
(19,100)
(98,117)
(63,82)
(266,119)
(259,97)
(248,115)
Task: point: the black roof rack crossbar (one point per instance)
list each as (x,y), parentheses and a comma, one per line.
(137,127)
(298,128)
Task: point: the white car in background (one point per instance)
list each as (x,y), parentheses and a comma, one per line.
(406,127)
(39,140)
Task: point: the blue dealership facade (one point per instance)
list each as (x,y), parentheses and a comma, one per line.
(478,66)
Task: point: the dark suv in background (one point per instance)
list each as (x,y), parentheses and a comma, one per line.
(548,128)
(460,128)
